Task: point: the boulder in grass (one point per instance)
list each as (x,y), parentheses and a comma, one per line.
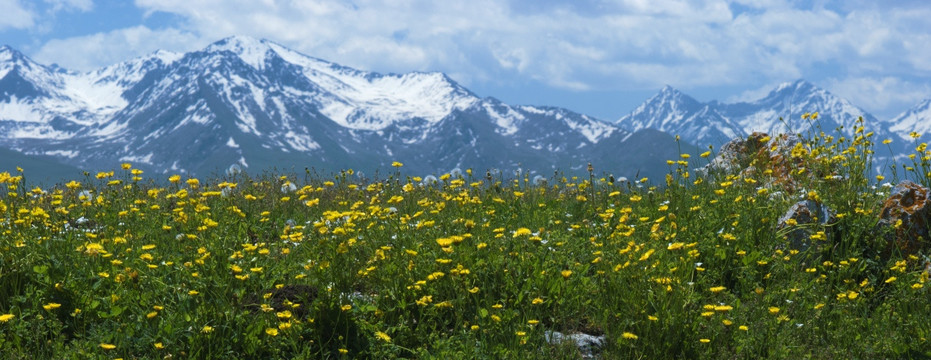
(736,155)
(589,345)
(781,155)
(807,223)
(905,218)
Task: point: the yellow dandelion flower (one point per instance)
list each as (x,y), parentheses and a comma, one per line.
(743,328)
(206,329)
(106,346)
(629,335)
(51,306)
(890,279)
(566,273)
(522,231)
(704,341)
(773,310)
(537,301)
(346,307)
(6,317)
(382,336)
(397,164)
(718,289)
(271,332)
(344,351)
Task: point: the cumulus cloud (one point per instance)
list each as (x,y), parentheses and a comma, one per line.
(588,44)
(15,15)
(114,46)
(884,97)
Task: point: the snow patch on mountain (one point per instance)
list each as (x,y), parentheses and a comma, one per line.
(917,119)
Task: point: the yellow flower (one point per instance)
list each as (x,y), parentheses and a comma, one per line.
(51,306)
(704,341)
(522,231)
(566,273)
(773,310)
(743,328)
(628,335)
(6,317)
(107,346)
(397,164)
(537,301)
(344,351)
(206,329)
(890,279)
(174,179)
(271,331)
(718,289)
(159,345)
(346,307)
(382,336)
(152,314)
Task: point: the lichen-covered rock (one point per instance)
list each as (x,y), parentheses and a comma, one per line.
(736,154)
(806,224)
(905,218)
(760,155)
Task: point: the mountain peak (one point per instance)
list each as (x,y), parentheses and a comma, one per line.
(8,53)
(249,49)
(800,85)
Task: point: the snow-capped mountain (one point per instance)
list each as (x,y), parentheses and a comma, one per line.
(673,112)
(917,119)
(261,105)
(714,123)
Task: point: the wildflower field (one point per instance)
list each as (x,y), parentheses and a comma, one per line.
(463,266)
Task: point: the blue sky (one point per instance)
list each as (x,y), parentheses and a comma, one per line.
(601,58)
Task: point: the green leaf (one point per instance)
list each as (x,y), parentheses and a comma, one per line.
(40,269)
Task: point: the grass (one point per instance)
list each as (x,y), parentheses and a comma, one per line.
(470,266)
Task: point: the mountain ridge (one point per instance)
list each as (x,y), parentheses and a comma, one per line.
(259,105)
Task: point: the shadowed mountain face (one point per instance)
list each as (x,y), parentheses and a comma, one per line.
(260,105)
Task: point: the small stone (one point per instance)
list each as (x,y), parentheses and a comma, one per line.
(589,345)
(798,220)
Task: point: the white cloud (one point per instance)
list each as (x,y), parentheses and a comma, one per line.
(884,97)
(112,47)
(81,5)
(15,15)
